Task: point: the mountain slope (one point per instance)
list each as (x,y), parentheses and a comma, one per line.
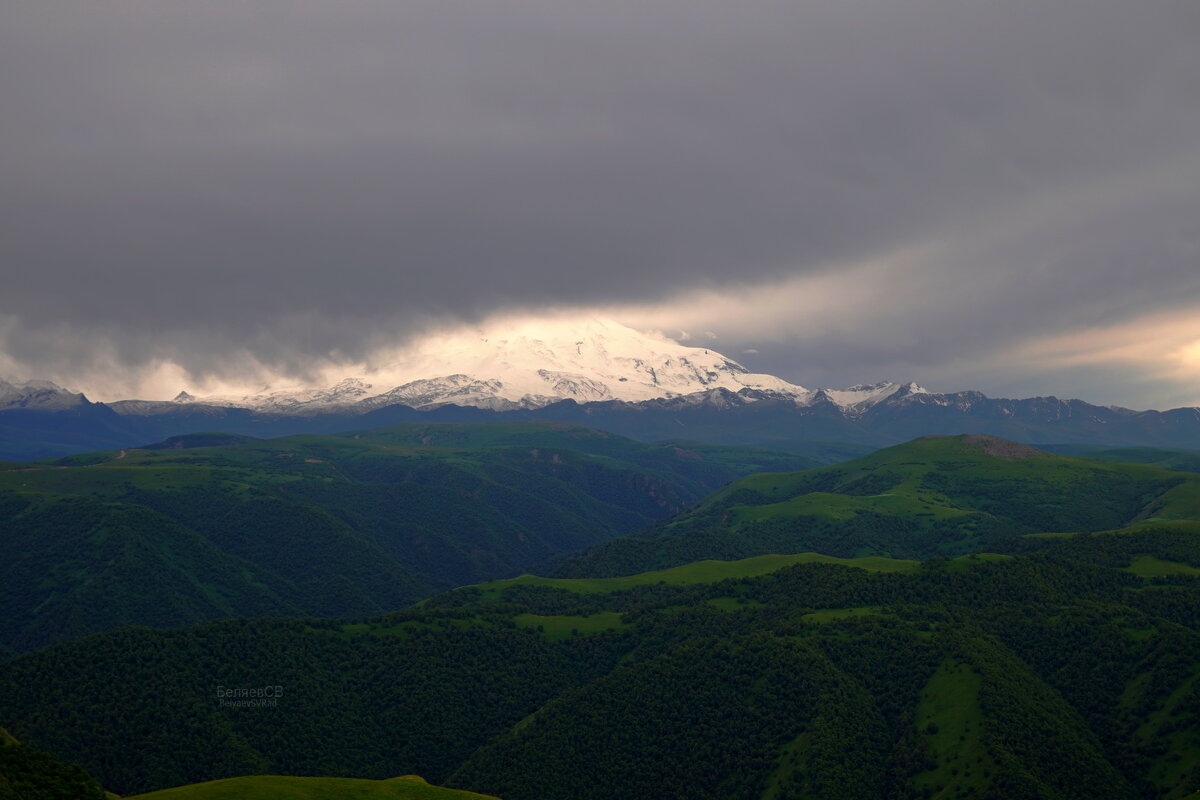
(360,523)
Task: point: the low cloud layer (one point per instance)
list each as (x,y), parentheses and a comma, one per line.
(226,192)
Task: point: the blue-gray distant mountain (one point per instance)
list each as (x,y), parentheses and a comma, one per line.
(747,417)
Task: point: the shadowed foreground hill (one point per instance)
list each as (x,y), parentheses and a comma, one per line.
(358,523)
(1069,673)
(29,774)
(934,496)
(279,787)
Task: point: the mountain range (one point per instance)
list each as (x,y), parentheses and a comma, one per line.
(595,373)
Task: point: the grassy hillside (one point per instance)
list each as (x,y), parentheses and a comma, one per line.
(280,787)
(1054,673)
(933,496)
(210,526)
(709,571)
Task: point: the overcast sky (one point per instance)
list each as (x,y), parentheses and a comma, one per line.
(994,195)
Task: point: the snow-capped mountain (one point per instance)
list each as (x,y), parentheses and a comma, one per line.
(527,365)
(39,420)
(591,372)
(509,367)
(861,397)
(533,365)
(288,401)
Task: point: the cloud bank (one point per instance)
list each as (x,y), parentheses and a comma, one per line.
(231,192)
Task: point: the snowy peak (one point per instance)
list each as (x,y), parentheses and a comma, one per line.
(290,401)
(527,364)
(530,364)
(574,385)
(40,395)
(459,389)
(857,399)
(582,360)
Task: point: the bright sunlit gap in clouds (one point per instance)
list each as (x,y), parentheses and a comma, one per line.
(1159,347)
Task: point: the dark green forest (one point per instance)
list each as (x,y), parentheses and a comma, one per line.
(1058,673)
(29,774)
(360,523)
(988,621)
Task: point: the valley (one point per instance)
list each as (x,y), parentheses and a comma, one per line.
(209,527)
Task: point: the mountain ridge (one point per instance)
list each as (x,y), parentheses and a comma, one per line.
(595,373)
(748,417)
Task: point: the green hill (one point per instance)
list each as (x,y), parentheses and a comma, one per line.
(934,496)
(1052,673)
(211,526)
(279,787)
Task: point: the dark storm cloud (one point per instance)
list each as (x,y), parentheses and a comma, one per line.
(181,179)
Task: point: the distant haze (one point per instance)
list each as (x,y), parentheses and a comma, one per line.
(225,195)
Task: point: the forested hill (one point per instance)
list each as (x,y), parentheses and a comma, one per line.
(933,496)
(1071,673)
(358,523)
(29,774)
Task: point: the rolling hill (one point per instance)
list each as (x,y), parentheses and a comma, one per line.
(934,496)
